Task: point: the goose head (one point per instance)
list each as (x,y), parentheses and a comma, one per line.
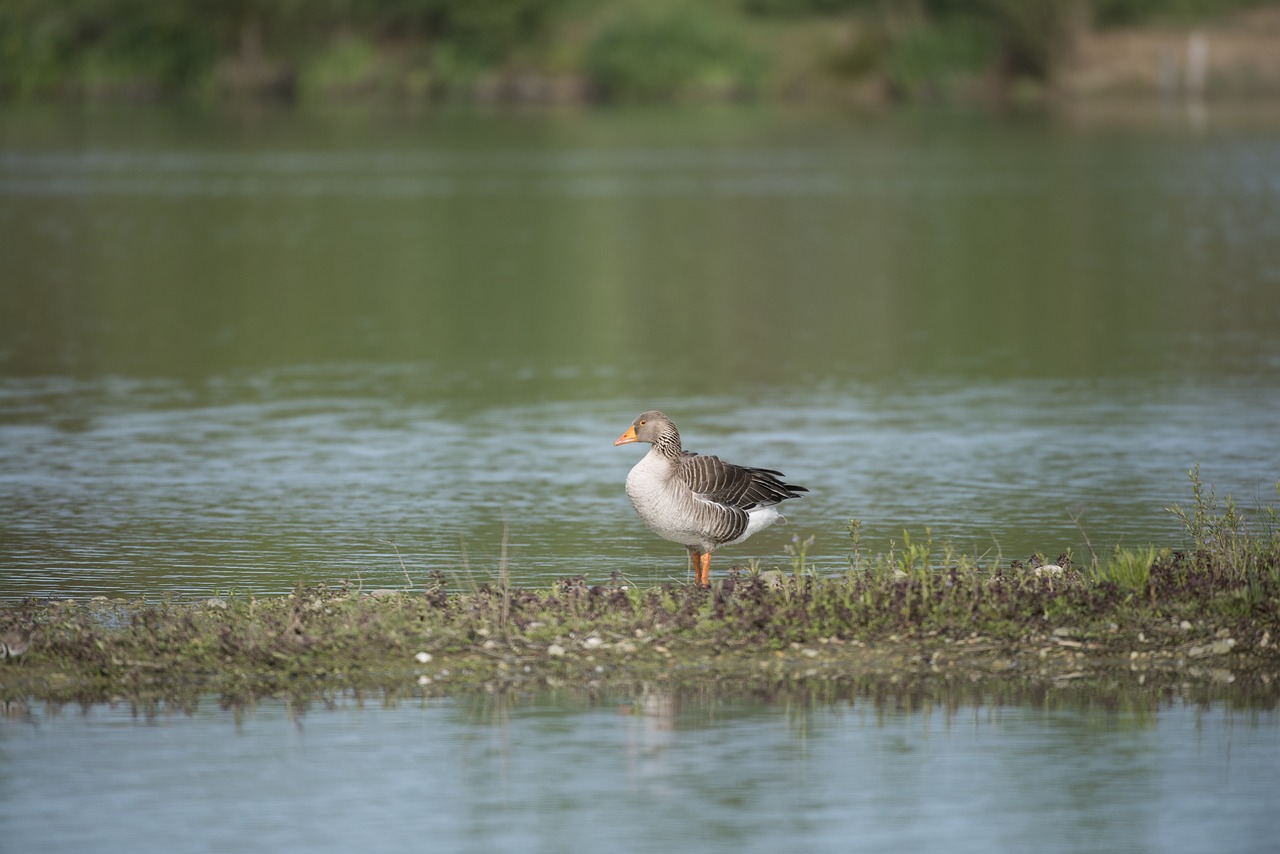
(652,427)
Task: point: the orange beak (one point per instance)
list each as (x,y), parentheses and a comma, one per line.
(627,437)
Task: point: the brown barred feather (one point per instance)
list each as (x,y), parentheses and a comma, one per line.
(712,479)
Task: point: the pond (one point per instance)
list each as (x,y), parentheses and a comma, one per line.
(243,349)
(642,770)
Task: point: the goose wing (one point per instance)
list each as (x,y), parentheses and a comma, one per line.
(742,487)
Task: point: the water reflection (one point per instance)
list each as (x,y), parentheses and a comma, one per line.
(820,247)
(652,766)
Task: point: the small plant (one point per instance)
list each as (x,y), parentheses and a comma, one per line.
(915,557)
(1129,569)
(1220,532)
(855,536)
(1076,513)
(798,550)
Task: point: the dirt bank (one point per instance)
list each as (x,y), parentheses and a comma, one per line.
(746,634)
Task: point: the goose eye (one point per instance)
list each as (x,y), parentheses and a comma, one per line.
(643,422)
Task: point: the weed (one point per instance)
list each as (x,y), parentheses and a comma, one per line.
(1129,569)
(1222,536)
(855,537)
(1076,513)
(408,582)
(798,551)
(915,558)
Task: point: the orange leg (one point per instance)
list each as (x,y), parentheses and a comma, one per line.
(704,569)
(702,565)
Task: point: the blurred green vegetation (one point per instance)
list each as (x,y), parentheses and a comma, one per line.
(612,49)
(675,52)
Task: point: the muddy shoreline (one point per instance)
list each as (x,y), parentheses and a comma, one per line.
(743,637)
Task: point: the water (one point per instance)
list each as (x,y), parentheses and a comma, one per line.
(645,771)
(238,350)
(242,350)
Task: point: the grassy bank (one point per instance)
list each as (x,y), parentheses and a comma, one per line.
(628,50)
(1209,612)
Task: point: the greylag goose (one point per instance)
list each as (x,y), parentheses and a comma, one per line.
(700,502)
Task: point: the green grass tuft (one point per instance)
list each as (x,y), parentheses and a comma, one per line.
(1129,569)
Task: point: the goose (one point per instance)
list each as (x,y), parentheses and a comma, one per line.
(701,502)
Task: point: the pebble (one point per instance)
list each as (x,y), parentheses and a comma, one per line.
(555,650)
(593,643)
(1218,647)
(422,657)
